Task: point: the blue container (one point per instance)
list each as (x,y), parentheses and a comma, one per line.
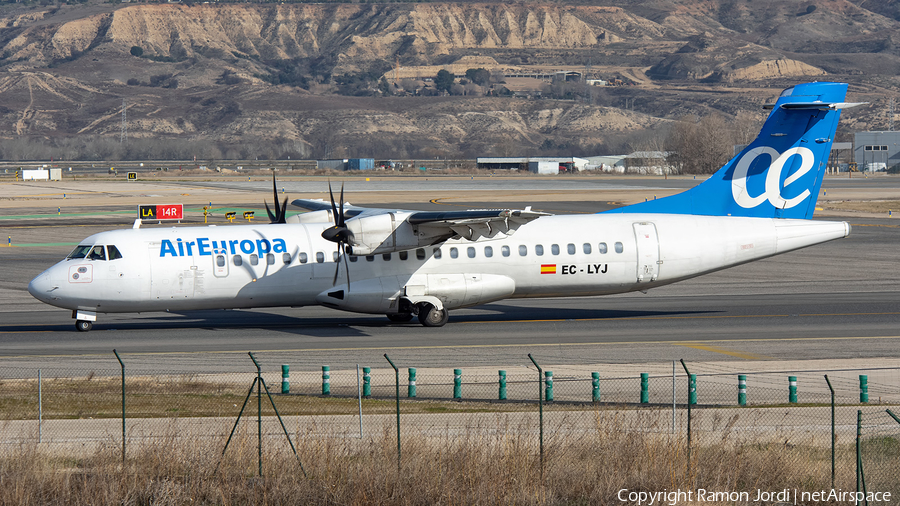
(361,164)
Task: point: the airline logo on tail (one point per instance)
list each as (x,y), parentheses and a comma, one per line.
(773,186)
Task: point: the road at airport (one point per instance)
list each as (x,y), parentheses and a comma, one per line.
(840,300)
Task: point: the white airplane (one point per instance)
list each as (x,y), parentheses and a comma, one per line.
(410,263)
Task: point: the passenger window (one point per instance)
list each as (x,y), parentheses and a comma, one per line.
(570,248)
(420,254)
(220,260)
(286,258)
(254,260)
(554,249)
(454,253)
(470,251)
(539,250)
(437,253)
(587,248)
(320,257)
(334,256)
(98,253)
(601,248)
(619,247)
(237,260)
(79,252)
(504,250)
(113,253)
(270,259)
(386,257)
(403,255)
(370,258)
(523,250)
(488,251)
(303,258)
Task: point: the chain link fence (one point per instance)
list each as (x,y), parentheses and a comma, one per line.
(555,415)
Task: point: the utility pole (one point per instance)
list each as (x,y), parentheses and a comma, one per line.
(123,135)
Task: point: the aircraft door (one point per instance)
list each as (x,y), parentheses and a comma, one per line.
(220,264)
(647,248)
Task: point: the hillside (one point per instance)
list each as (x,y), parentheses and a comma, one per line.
(307,77)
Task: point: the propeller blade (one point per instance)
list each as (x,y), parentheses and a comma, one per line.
(334,211)
(341,223)
(337,265)
(347,270)
(280,211)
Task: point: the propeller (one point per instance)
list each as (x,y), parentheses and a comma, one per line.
(339,234)
(279,216)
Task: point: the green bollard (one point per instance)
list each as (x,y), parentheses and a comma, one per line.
(792,389)
(326,380)
(502,395)
(595,387)
(742,389)
(863,388)
(367,382)
(285,379)
(692,398)
(645,388)
(548,385)
(457,384)
(411,391)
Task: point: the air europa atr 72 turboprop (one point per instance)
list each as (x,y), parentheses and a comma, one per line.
(407,263)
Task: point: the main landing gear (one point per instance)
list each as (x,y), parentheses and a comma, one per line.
(428,314)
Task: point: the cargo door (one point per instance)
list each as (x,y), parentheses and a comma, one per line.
(647,248)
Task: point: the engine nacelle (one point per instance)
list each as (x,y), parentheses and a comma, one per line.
(381,233)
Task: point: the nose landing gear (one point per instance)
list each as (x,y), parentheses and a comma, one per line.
(84,320)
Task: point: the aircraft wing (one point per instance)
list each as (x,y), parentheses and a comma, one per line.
(385,230)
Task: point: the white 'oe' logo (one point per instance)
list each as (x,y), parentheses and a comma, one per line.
(772,192)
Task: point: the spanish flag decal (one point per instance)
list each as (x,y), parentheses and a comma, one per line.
(548,268)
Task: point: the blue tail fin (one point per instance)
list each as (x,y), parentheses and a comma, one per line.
(779,174)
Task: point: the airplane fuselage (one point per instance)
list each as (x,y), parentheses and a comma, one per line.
(250,266)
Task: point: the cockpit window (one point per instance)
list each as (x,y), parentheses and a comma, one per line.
(79,252)
(113,252)
(97,253)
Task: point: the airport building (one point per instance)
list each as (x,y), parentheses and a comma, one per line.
(876,151)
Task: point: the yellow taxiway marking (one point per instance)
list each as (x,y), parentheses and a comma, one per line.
(716,349)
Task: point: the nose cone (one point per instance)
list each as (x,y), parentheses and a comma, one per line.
(40,287)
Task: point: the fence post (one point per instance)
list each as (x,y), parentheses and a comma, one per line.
(595,387)
(367,382)
(863,388)
(457,384)
(645,388)
(258,410)
(502,393)
(326,380)
(123,404)
(833,436)
(692,398)
(792,389)
(397,384)
(548,383)
(411,390)
(540,410)
(742,389)
(285,379)
(688,414)
(40,408)
(359,400)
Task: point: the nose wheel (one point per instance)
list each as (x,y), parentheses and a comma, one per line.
(83,325)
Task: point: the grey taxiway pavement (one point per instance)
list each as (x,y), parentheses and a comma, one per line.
(840,300)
